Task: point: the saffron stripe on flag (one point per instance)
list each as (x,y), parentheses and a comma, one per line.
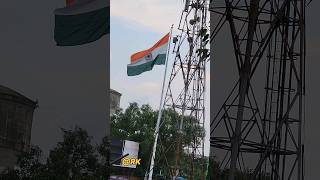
(145,60)
(144,53)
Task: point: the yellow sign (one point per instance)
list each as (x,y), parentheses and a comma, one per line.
(130,161)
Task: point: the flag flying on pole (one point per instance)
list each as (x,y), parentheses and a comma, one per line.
(145,60)
(82,21)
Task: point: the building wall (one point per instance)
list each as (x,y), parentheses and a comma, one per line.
(16,115)
(114,101)
(15,125)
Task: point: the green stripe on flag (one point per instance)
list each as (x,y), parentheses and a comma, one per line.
(71,30)
(136,70)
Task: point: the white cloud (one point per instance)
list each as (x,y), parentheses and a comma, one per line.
(157,15)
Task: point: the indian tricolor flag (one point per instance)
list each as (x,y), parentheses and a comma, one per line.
(145,60)
(81,21)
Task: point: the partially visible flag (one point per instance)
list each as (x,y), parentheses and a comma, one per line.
(82,21)
(145,60)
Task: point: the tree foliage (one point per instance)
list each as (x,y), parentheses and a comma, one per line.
(74,158)
(138,124)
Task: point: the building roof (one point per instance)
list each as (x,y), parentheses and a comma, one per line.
(115,92)
(11,95)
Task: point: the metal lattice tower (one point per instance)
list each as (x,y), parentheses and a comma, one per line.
(260,136)
(185,93)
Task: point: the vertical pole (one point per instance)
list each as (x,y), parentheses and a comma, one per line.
(301,91)
(245,73)
(108,128)
(156,133)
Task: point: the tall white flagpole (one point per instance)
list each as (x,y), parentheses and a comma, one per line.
(156,133)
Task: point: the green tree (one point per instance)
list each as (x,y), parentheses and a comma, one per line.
(137,124)
(103,169)
(74,157)
(29,166)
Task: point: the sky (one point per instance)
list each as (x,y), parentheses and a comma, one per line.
(69,82)
(312,134)
(135,26)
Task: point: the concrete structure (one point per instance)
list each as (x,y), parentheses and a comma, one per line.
(114,101)
(16,115)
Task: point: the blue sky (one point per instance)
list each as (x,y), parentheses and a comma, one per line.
(135,26)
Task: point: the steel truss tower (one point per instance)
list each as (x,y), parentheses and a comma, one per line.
(260,136)
(185,93)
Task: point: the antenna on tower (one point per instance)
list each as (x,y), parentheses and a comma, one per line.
(185,94)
